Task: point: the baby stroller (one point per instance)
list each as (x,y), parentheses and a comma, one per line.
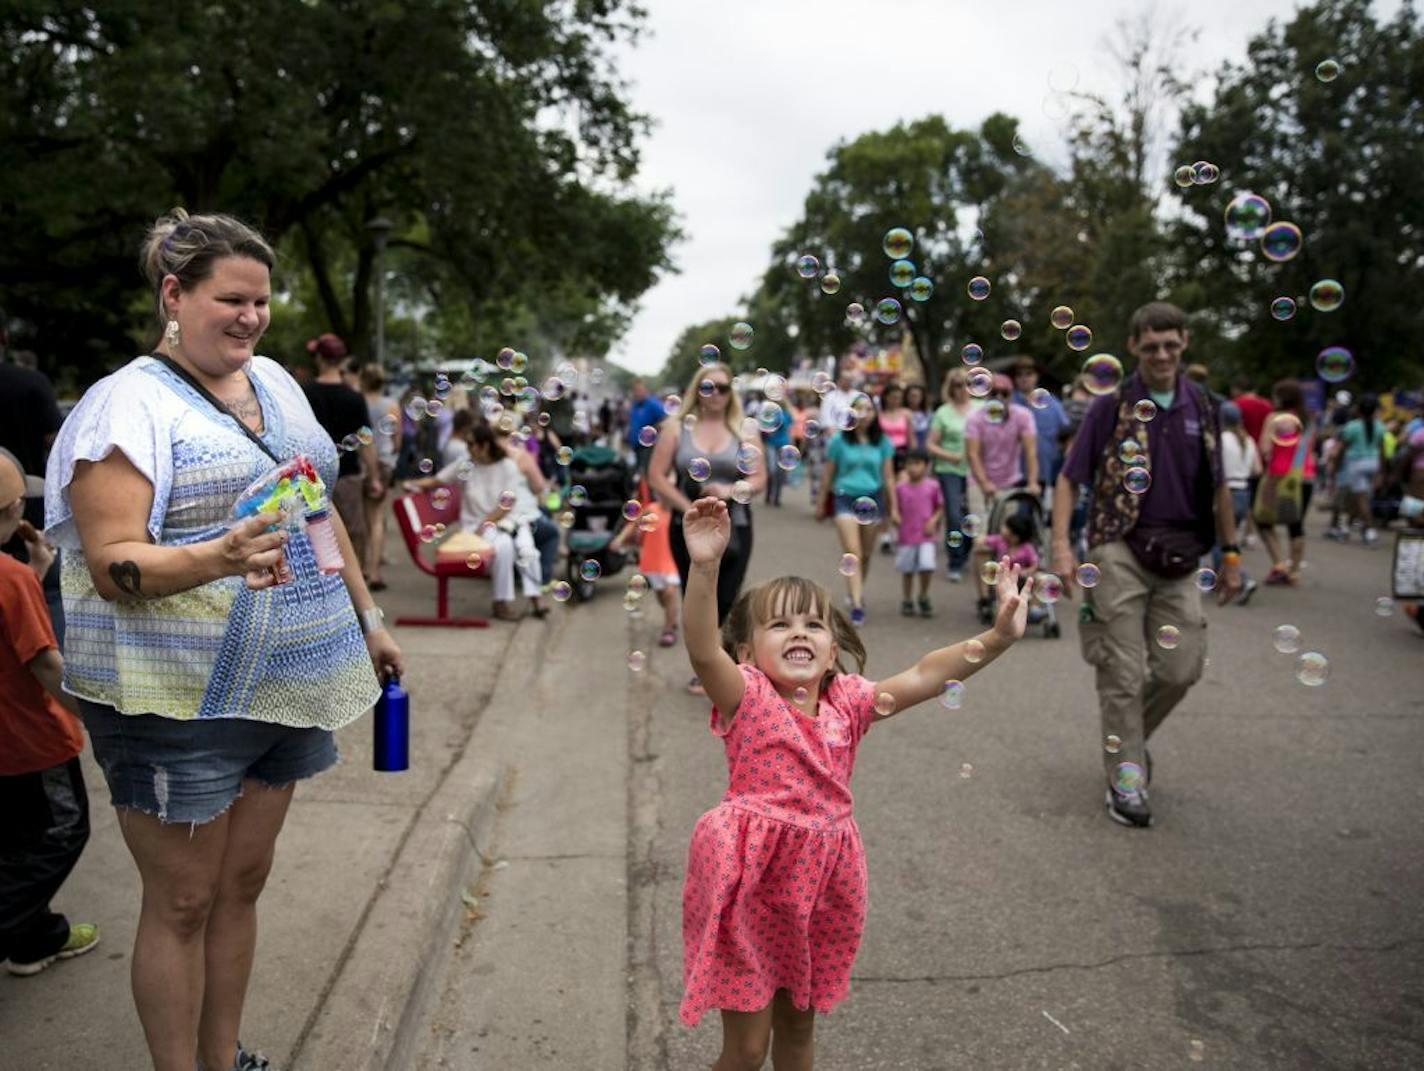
(1023,501)
(600,483)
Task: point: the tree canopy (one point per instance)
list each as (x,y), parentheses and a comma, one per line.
(495,136)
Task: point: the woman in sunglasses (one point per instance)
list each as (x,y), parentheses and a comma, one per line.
(702,451)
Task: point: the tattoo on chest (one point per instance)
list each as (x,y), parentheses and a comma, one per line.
(245,409)
(126,577)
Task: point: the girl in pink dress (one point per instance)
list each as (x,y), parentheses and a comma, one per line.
(774,902)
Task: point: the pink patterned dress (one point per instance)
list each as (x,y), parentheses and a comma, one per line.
(775,890)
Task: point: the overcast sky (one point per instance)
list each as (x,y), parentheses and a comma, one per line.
(748,96)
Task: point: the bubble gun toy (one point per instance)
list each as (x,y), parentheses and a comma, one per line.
(294,490)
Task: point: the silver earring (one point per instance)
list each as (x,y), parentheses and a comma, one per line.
(171,334)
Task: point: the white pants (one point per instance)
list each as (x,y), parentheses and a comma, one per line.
(511,553)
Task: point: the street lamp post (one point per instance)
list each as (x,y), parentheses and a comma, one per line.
(380,229)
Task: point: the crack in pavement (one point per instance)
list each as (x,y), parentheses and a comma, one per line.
(1049,968)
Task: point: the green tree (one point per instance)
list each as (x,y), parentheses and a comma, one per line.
(1342,160)
(495,135)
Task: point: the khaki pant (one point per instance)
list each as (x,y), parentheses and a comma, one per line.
(1139,681)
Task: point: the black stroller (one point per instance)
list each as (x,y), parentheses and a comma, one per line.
(600,484)
(1026,502)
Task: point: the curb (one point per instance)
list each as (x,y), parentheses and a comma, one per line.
(371,1017)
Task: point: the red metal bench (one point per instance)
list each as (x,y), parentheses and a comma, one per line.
(414,512)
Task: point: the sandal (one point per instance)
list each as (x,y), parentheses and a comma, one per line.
(504,612)
(668,638)
(694,687)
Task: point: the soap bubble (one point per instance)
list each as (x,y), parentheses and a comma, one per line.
(741,335)
(775,388)
(648,522)
(972,353)
(1327,295)
(921,288)
(647,436)
(426,466)
(631,509)
(1335,364)
(954,540)
(866,510)
(1283,308)
(966,771)
(440,497)
(849,564)
(1145,410)
(709,354)
(553,389)
(807,266)
(505,358)
(897,243)
(1021,146)
(590,570)
(995,411)
(1137,480)
(855,312)
(1312,669)
(1184,176)
(1079,337)
(637,660)
(885,704)
(1130,452)
(741,492)
(1102,373)
(1247,216)
(748,459)
(1286,639)
(830,283)
(1384,606)
(769,418)
(705,389)
(506,500)
(561,590)
(1128,777)
(672,403)
(973,652)
(979,288)
(1112,744)
(1061,317)
(1010,330)
(788,457)
(887,310)
(901,272)
(1204,173)
(566,519)
(429,533)
(1285,429)
(1327,70)
(971,524)
(799,696)
(980,383)
(989,572)
(637,584)
(811,429)
(1281,241)
(951,695)
(1206,579)
(821,381)
(578,495)
(1169,637)
(387,425)
(1040,397)
(1047,588)
(699,468)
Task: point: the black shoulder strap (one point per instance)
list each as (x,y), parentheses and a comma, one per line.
(187,377)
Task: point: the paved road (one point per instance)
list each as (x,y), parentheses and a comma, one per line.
(1273,919)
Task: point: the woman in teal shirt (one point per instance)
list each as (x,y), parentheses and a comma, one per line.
(951,465)
(860,484)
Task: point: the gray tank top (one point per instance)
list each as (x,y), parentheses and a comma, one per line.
(724,470)
(385,444)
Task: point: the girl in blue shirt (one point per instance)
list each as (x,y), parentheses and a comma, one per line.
(860,494)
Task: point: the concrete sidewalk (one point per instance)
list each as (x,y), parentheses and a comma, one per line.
(365,887)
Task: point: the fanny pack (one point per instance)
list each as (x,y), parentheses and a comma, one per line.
(1171,553)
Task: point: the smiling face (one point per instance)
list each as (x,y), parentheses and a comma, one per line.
(1159,355)
(795,649)
(221,318)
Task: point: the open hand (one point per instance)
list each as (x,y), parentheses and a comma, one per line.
(706,529)
(1012,618)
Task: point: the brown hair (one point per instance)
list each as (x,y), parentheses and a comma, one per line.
(1156,316)
(791,595)
(1288,396)
(188,246)
(373,377)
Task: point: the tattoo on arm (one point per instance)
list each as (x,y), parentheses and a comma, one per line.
(126,578)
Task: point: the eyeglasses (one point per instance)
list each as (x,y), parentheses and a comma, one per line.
(720,388)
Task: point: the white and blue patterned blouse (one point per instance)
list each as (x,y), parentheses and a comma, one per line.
(291,654)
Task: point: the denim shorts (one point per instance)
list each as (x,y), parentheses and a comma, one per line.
(1359,475)
(845,504)
(191,771)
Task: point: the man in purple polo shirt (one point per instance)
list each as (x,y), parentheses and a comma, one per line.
(1149,454)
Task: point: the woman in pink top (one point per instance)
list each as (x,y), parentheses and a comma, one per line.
(895,421)
(1287,445)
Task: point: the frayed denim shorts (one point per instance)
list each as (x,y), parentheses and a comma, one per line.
(190,771)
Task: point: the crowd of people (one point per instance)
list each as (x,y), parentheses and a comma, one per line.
(1137,495)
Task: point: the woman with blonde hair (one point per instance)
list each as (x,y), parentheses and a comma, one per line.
(946,445)
(702,451)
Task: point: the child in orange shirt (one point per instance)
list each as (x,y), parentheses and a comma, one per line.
(655,559)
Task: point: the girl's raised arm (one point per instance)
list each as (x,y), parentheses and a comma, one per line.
(927,677)
(706,529)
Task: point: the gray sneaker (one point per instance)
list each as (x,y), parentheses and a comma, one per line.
(250,1061)
(1129,808)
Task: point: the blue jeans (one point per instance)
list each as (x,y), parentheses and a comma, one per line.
(955,489)
(546,538)
(1240,504)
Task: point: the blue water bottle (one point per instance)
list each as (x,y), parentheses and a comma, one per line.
(392,750)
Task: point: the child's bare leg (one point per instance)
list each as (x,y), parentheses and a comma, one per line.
(746,1038)
(924,585)
(907,583)
(849,532)
(792,1034)
(869,539)
(976,561)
